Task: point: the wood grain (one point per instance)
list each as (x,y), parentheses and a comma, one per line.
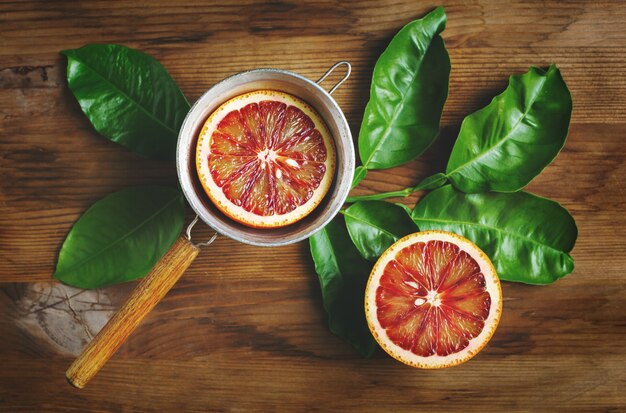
(244,329)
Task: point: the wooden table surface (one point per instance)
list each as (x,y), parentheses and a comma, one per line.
(244,330)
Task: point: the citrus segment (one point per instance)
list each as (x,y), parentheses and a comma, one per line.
(265,158)
(433,300)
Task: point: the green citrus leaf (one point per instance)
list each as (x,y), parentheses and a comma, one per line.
(343,273)
(128,97)
(409,89)
(121,237)
(375,225)
(527,237)
(504,145)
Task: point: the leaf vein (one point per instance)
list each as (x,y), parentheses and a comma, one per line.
(398,107)
(130,98)
(506,137)
(370,224)
(473,224)
(120,239)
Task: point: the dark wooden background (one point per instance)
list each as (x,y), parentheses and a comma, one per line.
(244,329)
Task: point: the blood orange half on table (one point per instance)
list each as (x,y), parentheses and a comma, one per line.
(433,300)
(265,158)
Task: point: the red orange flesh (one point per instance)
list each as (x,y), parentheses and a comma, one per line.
(433,300)
(265,158)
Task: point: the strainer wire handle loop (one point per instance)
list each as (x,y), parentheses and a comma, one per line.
(332,69)
(199,244)
(150,290)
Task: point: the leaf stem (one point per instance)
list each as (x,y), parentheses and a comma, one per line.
(432,182)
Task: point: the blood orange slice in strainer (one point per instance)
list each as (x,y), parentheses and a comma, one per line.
(433,300)
(265,158)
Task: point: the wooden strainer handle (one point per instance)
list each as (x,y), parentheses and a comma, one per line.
(141,301)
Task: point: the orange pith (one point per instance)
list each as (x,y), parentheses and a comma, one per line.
(433,300)
(265,158)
